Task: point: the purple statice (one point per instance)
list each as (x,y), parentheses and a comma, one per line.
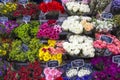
(6,29)
(109,70)
(10,25)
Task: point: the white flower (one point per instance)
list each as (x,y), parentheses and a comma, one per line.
(75,9)
(72,24)
(77,43)
(71,73)
(77,29)
(86,18)
(83,72)
(84,8)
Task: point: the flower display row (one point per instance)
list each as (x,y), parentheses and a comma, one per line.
(59,40)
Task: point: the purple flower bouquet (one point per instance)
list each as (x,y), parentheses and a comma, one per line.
(105,69)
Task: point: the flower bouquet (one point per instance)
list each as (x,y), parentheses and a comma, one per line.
(77,8)
(7,28)
(49,30)
(78,25)
(98,6)
(79,46)
(52,51)
(51,9)
(4,49)
(105,69)
(22,52)
(27,31)
(106,44)
(104,26)
(32,71)
(80,73)
(6,10)
(52,74)
(30,9)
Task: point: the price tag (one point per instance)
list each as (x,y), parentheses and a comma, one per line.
(47,1)
(53,64)
(5,1)
(23,2)
(106,15)
(107,53)
(3,19)
(26,19)
(106,39)
(116,59)
(77,63)
(24,47)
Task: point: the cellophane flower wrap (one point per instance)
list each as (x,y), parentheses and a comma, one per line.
(97,6)
(105,69)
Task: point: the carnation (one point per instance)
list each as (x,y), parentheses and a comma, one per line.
(79,45)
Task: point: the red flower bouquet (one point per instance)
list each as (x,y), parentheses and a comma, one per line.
(30,9)
(31,72)
(51,8)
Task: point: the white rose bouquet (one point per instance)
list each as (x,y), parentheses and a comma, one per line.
(77,8)
(77,25)
(79,46)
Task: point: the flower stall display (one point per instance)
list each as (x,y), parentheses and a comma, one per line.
(105,69)
(49,52)
(59,40)
(77,8)
(7,28)
(49,30)
(51,9)
(32,71)
(7,9)
(26,32)
(23,52)
(78,25)
(30,9)
(52,74)
(77,73)
(106,43)
(80,46)
(104,26)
